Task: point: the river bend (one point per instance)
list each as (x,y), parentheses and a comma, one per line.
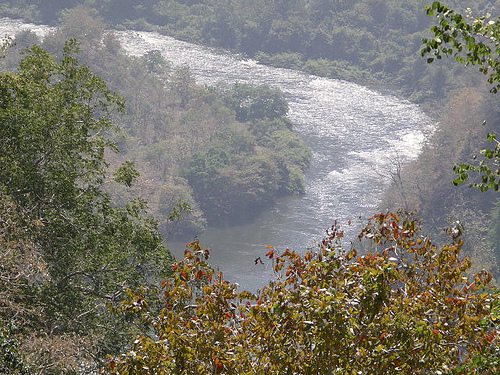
(356,135)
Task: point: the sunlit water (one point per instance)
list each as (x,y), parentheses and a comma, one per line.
(356,136)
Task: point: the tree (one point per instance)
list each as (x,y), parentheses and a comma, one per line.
(55,122)
(406,306)
(11,361)
(253,102)
(475,42)
(184,85)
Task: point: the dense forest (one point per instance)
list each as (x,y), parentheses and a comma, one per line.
(82,257)
(369,41)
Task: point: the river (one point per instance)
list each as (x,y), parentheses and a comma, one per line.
(356,136)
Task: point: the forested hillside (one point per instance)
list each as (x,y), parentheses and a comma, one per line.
(425,185)
(466,135)
(369,41)
(226,151)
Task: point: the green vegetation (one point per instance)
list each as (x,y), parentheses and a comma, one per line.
(74,238)
(170,124)
(424,185)
(247,166)
(369,41)
(68,253)
(478,40)
(74,242)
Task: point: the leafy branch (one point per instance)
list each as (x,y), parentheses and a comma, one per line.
(471,41)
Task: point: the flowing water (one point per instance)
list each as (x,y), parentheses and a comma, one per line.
(356,135)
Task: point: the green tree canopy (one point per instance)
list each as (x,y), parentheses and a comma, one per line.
(54,125)
(254,102)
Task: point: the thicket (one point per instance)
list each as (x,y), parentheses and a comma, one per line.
(67,252)
(404,306)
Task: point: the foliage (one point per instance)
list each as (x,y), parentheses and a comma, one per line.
(489,169)
(21,266)
(180,213)
(470,41)
(406,306)
(247,164)
(370,41)
(424,184)
(11,361)
(169,121)
(79,252)
(254,103)
(126,174)
(476,42)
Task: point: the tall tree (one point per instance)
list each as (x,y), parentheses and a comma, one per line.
(54,126)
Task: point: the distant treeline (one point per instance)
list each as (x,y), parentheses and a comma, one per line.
(369,41)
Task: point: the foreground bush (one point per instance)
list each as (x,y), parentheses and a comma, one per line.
(406,306)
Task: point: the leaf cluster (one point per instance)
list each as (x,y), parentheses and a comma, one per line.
(473,41)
